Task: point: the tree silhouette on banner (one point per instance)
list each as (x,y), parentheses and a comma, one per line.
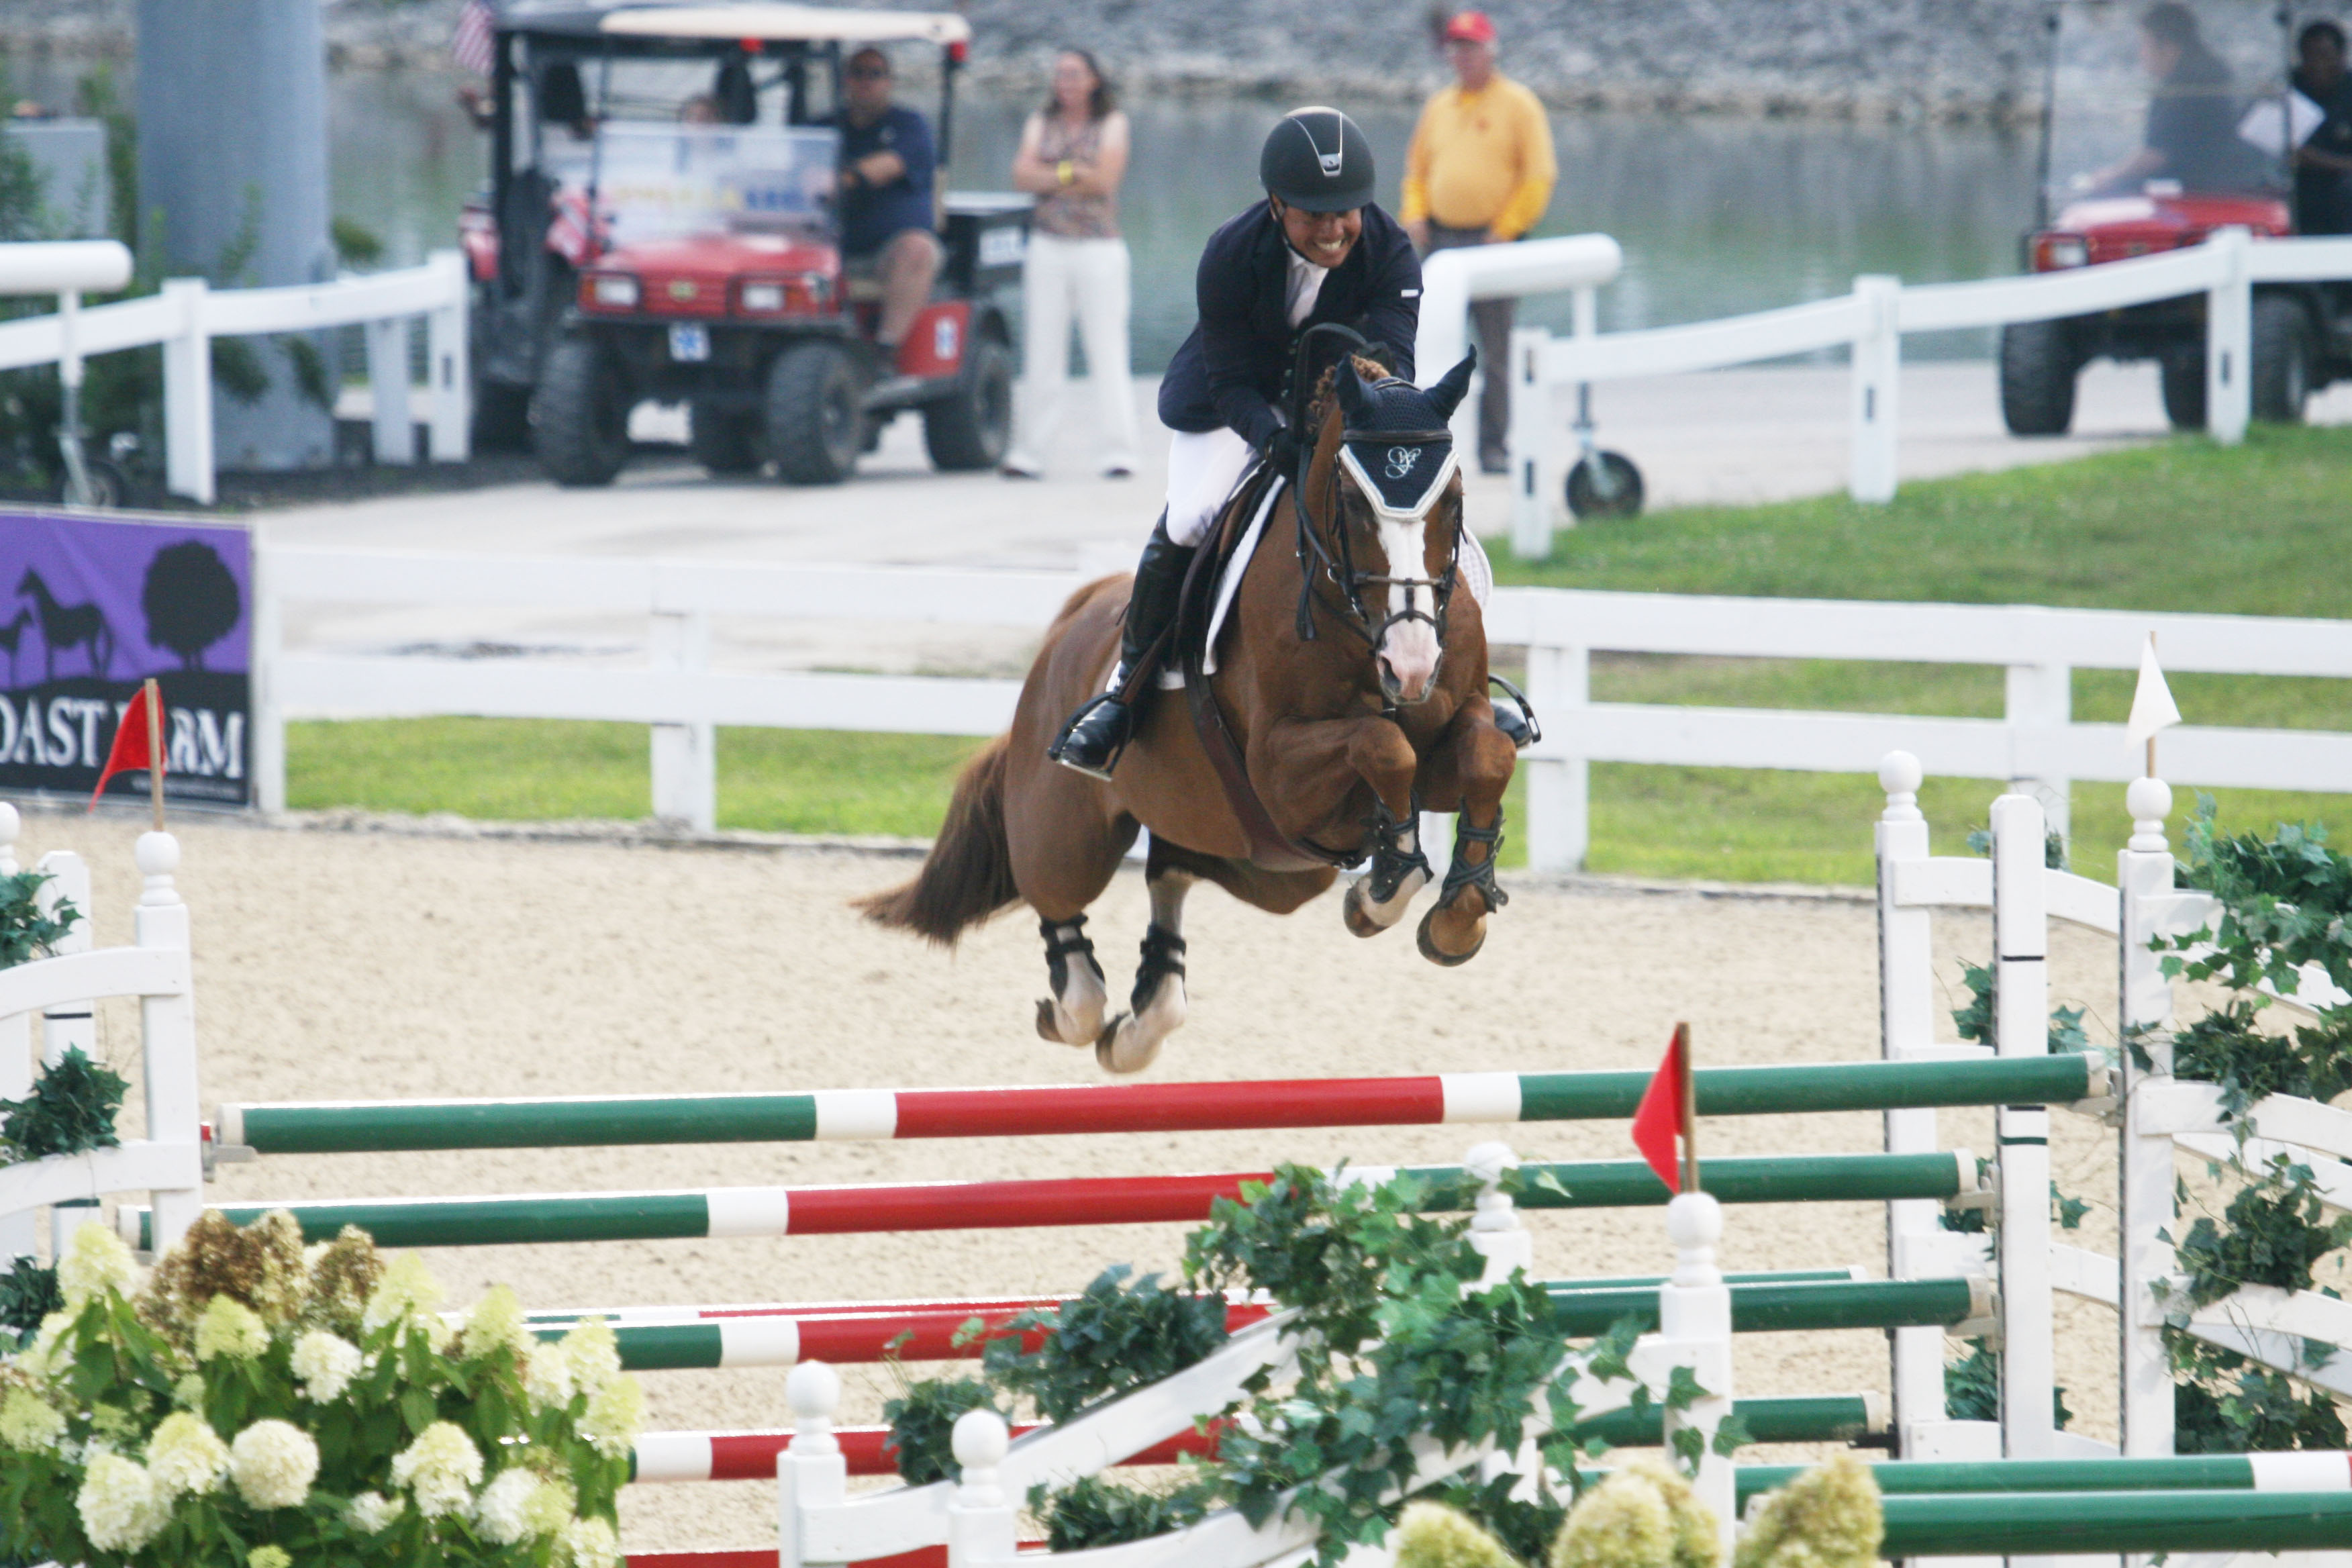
(192,601)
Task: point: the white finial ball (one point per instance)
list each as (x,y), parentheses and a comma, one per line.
(1488,1161)
(2148,800)
(813,1389)
(1694,1219)
(1899,774)
(10,823)
(980,1439)
(157,854)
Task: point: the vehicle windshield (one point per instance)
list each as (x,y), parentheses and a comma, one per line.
(2168,98)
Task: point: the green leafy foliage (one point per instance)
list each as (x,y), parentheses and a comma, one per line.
(2283,899)
(1972,1388)
(356,244)
(2225,1403)
(1527,1526)
(2228,1048)
(1092,1511)
(71,1108)
(1118,1333)
(26,932)
(28,1293)
(2274,1232)
(1975,1021)
(922,1418)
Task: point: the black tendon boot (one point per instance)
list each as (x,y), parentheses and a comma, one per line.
(1098,732)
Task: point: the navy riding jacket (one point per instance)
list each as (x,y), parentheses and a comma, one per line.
(1229,373)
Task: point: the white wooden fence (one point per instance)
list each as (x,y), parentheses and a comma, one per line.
(678,693)
(189,313)
(1870,324)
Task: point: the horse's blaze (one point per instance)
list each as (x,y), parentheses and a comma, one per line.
(1409,650)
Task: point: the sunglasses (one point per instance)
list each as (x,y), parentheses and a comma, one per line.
(869,73)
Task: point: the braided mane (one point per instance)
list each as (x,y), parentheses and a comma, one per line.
(1319,408)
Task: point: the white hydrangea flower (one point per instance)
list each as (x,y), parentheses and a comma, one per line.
(228,1327)
(439,1468)
(274,1463)
(495,1324)
(371,1513)
(185,1454)
(407,1290)
(29,1422)
(548,1511)
(326,1363)
(504,1513)
(95,1260)
(593,1353)
(48,1355)
(119,1507)
(591,1543)
(547,1374)
(614,1416)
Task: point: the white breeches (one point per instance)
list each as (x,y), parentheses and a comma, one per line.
(1087,280)
(1203,470)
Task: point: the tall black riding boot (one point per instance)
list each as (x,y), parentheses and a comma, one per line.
(1098,732)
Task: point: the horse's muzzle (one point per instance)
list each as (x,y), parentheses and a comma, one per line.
(1407,660)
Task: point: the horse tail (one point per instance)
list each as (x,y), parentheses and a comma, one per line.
(968,875)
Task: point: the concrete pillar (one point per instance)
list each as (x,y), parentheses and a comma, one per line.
(232,101)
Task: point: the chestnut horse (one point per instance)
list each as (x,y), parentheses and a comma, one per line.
(1353,678)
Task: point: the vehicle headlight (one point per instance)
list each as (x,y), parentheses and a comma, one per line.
(2067,250)
(764,298)
(614,290)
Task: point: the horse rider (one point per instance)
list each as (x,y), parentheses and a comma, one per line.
(1317,250)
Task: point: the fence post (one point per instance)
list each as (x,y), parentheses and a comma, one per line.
(448,366)
(1694,1331)
(269,712)
(1906,1021)
(387,361)
(1531,482)
(2022,1028)
(1878,374)
(982,1520)
(167,1032)
(2228,340)
(2143,1010)
(684,761)
(69,1026)
(1559,685)
(16,1231)
(811,1473)
(2040,698)
(188,396)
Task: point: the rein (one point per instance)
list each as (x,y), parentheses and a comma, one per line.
(1341,572)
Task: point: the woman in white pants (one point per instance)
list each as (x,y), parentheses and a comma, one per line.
(1073,155)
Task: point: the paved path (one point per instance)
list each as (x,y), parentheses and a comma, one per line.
(1725,436)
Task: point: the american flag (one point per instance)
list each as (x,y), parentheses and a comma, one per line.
(470,44)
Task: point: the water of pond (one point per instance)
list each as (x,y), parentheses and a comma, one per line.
(1716,215)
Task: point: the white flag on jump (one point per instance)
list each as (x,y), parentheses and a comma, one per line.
(2152,706)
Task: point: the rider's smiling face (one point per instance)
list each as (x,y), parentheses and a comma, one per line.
(1324,239)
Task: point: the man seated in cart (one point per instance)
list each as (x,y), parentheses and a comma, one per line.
(888,164)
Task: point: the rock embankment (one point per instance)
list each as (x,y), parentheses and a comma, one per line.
(1901,59)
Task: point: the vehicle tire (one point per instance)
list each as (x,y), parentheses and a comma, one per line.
(815,417)
(2282,359)
(580,414)
(2183,378)
(501,417)
(723,440)
(2037,378)
(972,427)
(109,485)
(1606,484)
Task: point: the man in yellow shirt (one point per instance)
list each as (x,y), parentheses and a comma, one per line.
(1479,171)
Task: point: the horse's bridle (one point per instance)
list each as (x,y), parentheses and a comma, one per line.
(1340,570)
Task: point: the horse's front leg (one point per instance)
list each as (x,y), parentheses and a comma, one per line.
(1467,768)
(1314,765)
(1130,1042)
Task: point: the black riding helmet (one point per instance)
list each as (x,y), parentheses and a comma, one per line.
(1316,160)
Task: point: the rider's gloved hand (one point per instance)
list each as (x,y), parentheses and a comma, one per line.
(1281,449)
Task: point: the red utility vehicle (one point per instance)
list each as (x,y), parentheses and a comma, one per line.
(2149,144)
(659,227)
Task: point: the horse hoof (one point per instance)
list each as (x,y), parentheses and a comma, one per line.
(1431,951)
(1053,1028)
(1355,911)
(1046,1030)
(1120,1048)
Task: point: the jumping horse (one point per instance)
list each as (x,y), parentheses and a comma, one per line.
(1349,694)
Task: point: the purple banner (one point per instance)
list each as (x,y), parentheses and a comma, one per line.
(95,607)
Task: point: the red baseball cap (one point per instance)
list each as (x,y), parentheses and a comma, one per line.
(1470,28)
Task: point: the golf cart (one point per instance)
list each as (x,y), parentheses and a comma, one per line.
(2165,123)
(659,226)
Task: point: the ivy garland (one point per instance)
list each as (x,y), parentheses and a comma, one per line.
(1395,1337)
(25,931)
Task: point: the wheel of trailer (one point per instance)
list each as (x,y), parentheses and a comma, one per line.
(2037,378)
(1605,484)
(580,414)
(723,440)
(973,427)
(815,420)
(501,417)
(2183,378)
(2282,359)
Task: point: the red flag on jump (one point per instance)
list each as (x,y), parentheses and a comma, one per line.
(1667,1113)
(134,744)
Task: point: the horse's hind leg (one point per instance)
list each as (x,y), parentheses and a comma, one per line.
(1129,1042)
